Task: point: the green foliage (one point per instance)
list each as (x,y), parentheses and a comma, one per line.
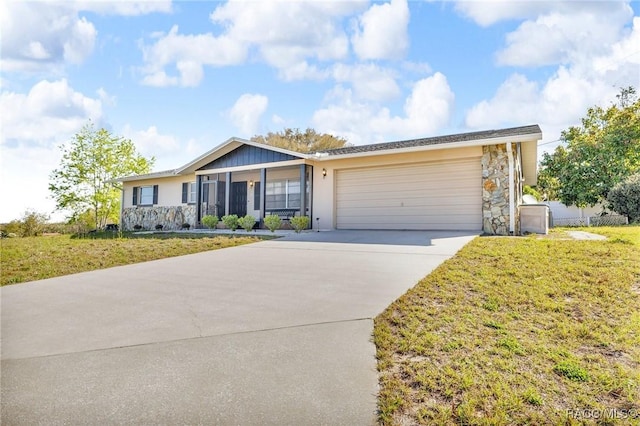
(31,224)
(600,153)
(89,162)
(247,222)
(230,221)
(571,371)
(299,223)
(624,198)
(273,222)
(533,192)
(210,221)
(294,140)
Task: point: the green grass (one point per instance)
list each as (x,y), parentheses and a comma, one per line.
(516,331)
(37,258)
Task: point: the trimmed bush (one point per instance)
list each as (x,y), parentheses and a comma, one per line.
(159,227)
(625,198)
(230,221)
(210,221)
(186,226)
(273,222)
(298,223)
(137,227)
(247,222)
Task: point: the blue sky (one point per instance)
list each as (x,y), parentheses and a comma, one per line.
(179,78)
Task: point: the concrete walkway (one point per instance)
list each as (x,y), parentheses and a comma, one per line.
(277,332)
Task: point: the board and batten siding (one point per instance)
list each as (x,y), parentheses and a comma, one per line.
(430,196)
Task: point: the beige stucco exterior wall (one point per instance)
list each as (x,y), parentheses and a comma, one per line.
(324,187)
(169,190)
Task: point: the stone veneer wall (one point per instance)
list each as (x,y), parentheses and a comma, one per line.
(171,218)
(495,189)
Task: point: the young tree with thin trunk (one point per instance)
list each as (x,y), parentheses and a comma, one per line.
(90,161)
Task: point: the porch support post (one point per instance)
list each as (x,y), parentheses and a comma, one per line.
(198,199)
(227,194)
(263,192)
(303,189)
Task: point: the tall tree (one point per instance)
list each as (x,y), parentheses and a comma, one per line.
(294,140)
(597,155)
(89,162)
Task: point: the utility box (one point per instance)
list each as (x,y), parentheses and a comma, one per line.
(534,218)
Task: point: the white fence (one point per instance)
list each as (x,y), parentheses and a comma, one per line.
(562,215)
(608,220)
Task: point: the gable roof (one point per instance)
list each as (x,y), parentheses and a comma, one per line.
(228,146)
(478,138)
(529,133)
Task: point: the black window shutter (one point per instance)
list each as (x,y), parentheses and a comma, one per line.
(155,194)
(185,190)
(256,196)
(135,195)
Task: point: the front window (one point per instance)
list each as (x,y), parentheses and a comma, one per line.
(282,194)
(191,198)
(146,195)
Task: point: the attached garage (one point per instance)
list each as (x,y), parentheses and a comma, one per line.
(435,196)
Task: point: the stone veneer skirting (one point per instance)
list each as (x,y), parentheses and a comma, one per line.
(495,190)
(171,218)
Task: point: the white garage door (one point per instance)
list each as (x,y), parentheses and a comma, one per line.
(438,196)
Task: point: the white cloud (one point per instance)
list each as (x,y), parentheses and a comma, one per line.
(596,53)
(37,36)
(33,124)
(149,142)
(488,12)
(382,31)
(43,36)
(23,186)
(426,110)
(369,81)
(189,53)
(286,35)
(49,110)
(247,111)
(565,36)
(126,8)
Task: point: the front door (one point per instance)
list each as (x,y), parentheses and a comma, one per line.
(238,198)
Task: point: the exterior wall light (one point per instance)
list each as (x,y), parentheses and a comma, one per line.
(324,173)
(250,184)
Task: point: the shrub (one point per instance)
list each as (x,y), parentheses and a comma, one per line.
(624,198)
(159,227)
(230,221)
(533,192)
(247,222)
(186,225)
(210,221)
(273,222)
(299,223)
(137,227)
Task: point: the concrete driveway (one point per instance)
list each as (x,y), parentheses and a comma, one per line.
(277,332)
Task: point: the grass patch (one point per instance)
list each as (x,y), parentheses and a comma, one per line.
(516,331)
(37,258)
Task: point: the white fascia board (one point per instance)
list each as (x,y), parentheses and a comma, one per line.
(155,175)
(531,137)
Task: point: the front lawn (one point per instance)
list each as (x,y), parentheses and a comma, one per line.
(36,258)
(524,330)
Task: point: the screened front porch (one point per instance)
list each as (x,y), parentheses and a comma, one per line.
(283,191)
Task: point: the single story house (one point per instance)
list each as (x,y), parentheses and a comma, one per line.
(469,181)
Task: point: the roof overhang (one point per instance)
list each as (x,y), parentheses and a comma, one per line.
(530,137)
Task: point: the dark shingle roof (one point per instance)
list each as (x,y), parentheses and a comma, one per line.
(461,137)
